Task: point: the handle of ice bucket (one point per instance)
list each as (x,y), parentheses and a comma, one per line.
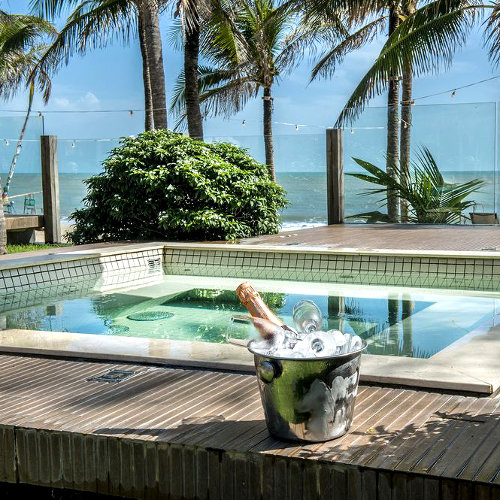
(268,370)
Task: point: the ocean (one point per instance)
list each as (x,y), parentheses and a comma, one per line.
(306,192)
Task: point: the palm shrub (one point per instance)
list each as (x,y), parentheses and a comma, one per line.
(162,185)
(430,199)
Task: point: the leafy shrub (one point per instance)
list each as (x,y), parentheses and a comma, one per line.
(162,185)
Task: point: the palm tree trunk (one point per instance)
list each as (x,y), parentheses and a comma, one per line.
(405,143)
(19,142)
(3,229)
(191,52)
(148,98)
(268,131)
(408,8)
(155,62)
(392,156)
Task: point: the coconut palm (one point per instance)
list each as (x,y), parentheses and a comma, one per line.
(421,37)
(246,52)
(21,47)
(95,23)
(430,199)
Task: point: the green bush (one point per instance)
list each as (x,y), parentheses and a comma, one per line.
(162,185)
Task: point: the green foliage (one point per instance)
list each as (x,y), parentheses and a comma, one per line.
(431,199)
(162,185)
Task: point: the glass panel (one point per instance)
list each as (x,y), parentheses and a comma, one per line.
(461,137)
(26,182)
(300,168)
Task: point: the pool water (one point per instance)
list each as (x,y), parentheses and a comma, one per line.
(393,321)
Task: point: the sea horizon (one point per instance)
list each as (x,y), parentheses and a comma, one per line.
(306,192)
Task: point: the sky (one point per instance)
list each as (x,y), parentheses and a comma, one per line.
(110,79)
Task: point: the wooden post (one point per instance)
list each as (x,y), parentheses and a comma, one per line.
(335,176)
(50,188)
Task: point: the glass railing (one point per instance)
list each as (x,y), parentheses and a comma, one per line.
(462,137)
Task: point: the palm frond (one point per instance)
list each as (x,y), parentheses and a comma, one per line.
(329,61)
(492,34)
(428,38)
(21,46)
(93,24)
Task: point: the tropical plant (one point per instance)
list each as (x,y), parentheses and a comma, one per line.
(430,199)
(22,45)
(161,184)
(95,23)
(246,52)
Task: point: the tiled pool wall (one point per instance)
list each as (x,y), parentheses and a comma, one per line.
(425,271)
(78,276)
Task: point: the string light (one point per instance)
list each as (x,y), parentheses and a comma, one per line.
(131,112)
(244,123)
(73,144)
(453,94)
(297,127)
(352,131)
(40,114)
(7,143)
(454,90)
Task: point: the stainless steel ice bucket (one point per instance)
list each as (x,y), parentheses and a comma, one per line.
(308,399)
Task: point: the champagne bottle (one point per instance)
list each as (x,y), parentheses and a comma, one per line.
(251,299)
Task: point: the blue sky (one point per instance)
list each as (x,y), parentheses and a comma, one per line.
(111,79)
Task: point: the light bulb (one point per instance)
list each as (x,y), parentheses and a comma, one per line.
(73,145)
(352,131)
(244,123)
(7,143)
(453,94)
(131,112)
(40,114)
(297,128)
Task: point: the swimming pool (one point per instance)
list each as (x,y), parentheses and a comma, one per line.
(394,321)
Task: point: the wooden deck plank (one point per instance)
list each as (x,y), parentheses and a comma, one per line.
(386,446)
(205,427)
(388,236)
(430,435)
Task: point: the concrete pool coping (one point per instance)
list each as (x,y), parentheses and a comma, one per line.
(92,251)
(451,369)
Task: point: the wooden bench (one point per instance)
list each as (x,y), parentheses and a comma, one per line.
(21,228)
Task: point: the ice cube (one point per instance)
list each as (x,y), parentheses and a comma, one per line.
(339,339)
(356,343)
(318,344)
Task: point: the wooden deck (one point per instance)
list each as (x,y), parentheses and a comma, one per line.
(389,237)
(172,433)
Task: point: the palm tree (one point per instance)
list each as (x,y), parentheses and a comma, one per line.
(419,40)
(247,53)
(94,23)
(21,47)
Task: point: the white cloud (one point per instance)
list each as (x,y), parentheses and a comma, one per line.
(61,102)
(90,99)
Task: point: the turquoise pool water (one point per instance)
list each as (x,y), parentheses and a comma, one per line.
(393,321)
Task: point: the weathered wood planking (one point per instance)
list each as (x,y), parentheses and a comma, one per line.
(389,236)
(171,433)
